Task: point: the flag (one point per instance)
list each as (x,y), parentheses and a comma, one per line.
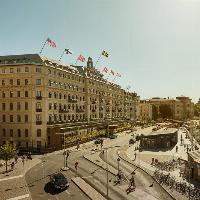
(51,43)
(81,58)
(104,53)
(68,51)
(105,69)
(112,72)
(119,75)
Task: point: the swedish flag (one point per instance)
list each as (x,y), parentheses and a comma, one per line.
(104,53)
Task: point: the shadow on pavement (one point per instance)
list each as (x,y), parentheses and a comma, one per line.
(48,188)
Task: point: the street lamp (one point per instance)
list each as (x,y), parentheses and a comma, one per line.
(106,149)
(118,160)
(65,153)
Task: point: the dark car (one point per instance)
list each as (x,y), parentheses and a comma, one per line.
(111,136)
(98,141)
(59,181)
(131,141)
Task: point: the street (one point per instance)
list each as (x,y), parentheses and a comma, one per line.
(38,180)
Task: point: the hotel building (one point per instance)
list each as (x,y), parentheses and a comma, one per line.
(40,98)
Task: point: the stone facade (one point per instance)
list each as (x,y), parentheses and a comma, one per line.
(145,110)
(182,107)
(39,97)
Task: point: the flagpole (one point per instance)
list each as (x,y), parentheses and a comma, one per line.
(61,56)
(43,47)
(76,61)
(114,78)
(97,60)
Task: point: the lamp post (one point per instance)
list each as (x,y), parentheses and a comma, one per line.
(65,153)
(107,186)
(118,160)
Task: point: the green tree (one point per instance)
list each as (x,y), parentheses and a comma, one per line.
(165,111)
(197,110)
(7,152)
(154,112)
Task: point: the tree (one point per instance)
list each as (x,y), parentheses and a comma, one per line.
(154,112)
(165,111)
(197,110)
(7,152)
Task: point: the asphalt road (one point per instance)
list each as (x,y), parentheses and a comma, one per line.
(38,180)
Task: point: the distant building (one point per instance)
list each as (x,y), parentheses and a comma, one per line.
(41,97)
(145,111)
(182,107)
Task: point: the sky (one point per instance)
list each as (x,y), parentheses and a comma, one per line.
(153,44)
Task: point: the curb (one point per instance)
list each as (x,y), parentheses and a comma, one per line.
(145,172)
(90,160)
(99,196)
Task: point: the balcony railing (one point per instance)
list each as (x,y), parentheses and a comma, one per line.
(78,110)
(38,109)
(38,97)
(94,110)
(38,122)
(72,100)
(63,111)
(94,102)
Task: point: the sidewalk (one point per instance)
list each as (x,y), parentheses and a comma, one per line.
(143,160)
(87,189)
(13,184)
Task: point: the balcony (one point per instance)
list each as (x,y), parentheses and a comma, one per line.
(38,109)
(38,97)
(78,110)
(72,100)
(38,122)
(63,111)
(94,110)
(107,110)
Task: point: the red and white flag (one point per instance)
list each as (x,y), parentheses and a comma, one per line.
(105,69)
(51,43)
(81,58)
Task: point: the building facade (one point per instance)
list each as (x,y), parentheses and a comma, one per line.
(39,97)
(145,110)
(182,107)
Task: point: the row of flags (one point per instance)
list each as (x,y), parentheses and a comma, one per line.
(111,72)
(81,58)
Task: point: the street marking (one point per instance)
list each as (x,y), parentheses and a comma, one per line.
(68,192)
(13,177)
(20,197)
(87,177)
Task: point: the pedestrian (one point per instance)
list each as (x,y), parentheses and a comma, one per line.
(16,158)
(12,165)
(23,158)
(76,165)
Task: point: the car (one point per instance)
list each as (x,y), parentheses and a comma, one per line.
(59,181)
(131,141)
(112,136)
(98,141)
